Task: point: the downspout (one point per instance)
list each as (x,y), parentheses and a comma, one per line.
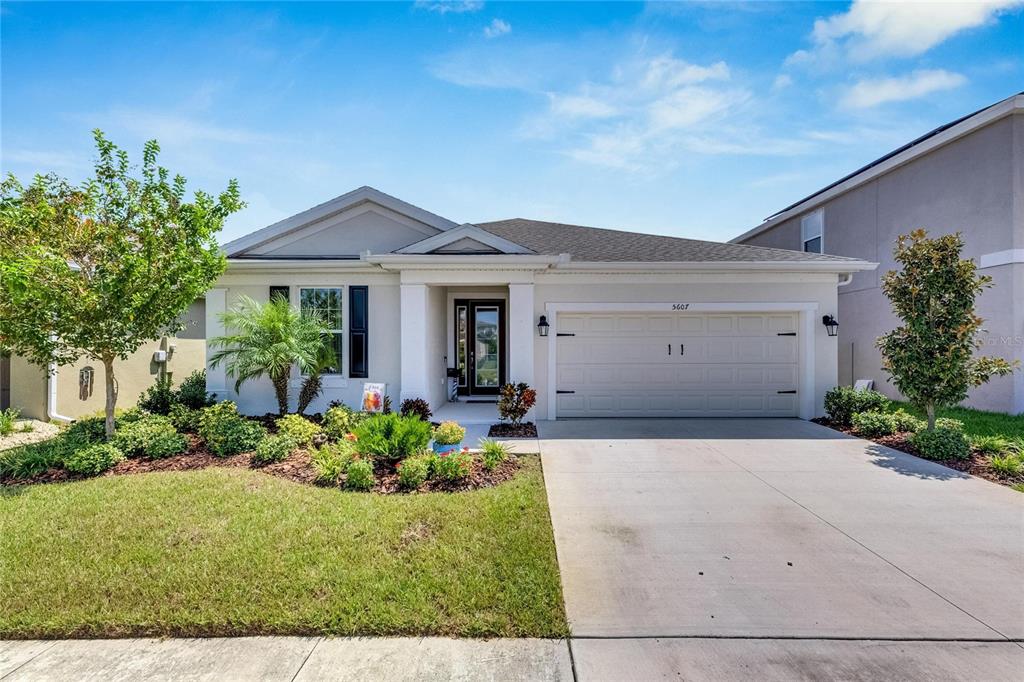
(51,395)
(845,278)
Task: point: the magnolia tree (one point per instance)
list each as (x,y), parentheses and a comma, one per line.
(101,268)
(931,356)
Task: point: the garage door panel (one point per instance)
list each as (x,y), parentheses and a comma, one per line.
(635,365)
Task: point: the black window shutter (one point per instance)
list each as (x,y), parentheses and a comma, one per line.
(358,332)
(284,292)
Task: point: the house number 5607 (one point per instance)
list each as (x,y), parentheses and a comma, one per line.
(680,306)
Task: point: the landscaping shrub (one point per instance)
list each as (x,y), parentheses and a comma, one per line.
(449,433)
(391,436)
(192,393)
(359,475)
(874,424)
(906,422)
(413,471)
(7,419)
(331,460)
(842,402)
(990,445)
(298,428)
(158,398)
(452,466)
(493,453)
(515,401)
(184,418)
(416,407)
(949,424)
(32,460)
(153,436)
(226,432)
(273,449)
(1007,465)
(340,420)
(87,430)
(93,460)
(941,444)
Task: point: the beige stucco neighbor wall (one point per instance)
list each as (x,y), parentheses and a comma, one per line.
(77,397)
(708,288)
(974,185)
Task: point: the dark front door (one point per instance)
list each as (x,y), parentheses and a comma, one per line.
(480,345)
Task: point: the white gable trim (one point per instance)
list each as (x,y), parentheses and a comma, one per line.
(331,208)
(439,241)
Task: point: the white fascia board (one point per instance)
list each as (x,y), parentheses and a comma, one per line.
(997,258)
(467,230)
(336,205)
(785,266)
(298,264)
(397,261)
(1005,108)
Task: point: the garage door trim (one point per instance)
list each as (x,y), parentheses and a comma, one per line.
(805,311)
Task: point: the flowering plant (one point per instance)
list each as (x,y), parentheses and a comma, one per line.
(449,433)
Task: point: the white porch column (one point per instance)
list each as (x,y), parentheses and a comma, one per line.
(216,378)
(413,311)
(522,329)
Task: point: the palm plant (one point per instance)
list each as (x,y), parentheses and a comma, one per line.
(268,339)
(313,383)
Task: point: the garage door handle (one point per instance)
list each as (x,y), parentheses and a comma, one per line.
(785,391)
(670,349)
(786,334)
(565,391)
(682,349)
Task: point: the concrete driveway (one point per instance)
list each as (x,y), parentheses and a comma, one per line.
(753,528)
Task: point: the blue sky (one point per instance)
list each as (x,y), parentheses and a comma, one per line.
(691,119)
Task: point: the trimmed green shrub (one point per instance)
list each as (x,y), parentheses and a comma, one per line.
(192,391)
(941,444)
(842,402)
(391,436)
(874,424)
(32,460)
(359,475)
(492,453)
(449,433)
(184,418)
(93,460)
(341,420)
(87,430)
(7,419)
(153,436)
(158,398)
(273,449)
(413,471)
(331,460)
(452,466)
(906,422)
(990,445)
(416,407)
(228,433)
(298,428)
(949,424)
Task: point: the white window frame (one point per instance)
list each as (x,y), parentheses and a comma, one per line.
(334,380)
(806,233)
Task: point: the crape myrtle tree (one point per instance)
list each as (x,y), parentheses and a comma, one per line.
(101,268)
(931,356)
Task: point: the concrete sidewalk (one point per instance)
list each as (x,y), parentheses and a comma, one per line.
(371,659)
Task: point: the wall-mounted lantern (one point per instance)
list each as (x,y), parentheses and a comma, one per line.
(830,325)
(543,326)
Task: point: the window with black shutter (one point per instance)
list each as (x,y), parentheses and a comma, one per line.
(358,332)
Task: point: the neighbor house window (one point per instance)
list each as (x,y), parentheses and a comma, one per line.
(326,303)
(282,291)
(812,227)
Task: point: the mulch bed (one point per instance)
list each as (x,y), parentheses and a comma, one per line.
(297,467)
(975,465)
(527,430)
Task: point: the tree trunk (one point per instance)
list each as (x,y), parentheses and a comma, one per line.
(108,372)
(310,390)
(281,391)
(929,410)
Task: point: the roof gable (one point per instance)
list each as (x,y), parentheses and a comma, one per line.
(465,239)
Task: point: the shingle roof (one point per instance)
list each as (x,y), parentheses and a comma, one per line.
(594,244)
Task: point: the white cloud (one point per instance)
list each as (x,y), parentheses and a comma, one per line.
(450,6)
(496,28)
(782,81)
(41,161)
(580,106)
(872,92)
(178,130)
(871,29)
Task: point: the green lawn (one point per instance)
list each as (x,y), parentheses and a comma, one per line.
(232,551)
(977,422)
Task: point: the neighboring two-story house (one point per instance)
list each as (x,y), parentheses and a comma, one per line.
(965,176)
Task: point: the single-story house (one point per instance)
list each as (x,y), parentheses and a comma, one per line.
(602,323)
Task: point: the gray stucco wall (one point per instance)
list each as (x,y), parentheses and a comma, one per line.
(974,185)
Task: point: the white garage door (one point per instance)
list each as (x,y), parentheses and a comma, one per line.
(677,365)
